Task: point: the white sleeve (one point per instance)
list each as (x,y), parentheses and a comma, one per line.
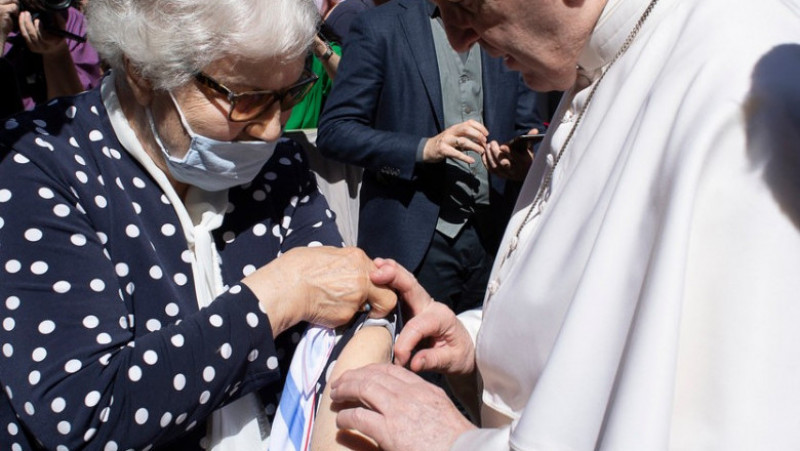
(483,439)
(471,319)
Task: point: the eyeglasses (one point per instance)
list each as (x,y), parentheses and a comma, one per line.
(249,105)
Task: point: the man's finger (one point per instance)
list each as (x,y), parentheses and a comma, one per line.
(430,360)
(461,156)
(392,274)
(477,147)
(478,126)
(473,136)
(375,385)
(413,333)
(492,154)
(363,420)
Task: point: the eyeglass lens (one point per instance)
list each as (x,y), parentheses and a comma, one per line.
(250,105)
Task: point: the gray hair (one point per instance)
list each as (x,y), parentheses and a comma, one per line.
(168,41)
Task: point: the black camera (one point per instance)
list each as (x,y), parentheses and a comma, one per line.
(44,10)
(45,6)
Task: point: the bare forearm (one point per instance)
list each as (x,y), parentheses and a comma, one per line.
(61,74)
(368,345)
(329,59)
(331,65)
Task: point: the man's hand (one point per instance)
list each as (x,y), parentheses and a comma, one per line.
(397,408)
(8,9)
(500,160)
(454,141)
(451,350)
(321,285)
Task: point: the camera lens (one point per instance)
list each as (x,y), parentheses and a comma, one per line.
(56,5)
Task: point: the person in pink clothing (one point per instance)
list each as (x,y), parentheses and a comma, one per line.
(38,64)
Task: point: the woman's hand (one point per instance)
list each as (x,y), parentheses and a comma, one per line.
(321,285)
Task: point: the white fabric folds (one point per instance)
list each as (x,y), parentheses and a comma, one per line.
(653,304)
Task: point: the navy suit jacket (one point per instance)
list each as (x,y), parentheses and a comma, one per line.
(386,97)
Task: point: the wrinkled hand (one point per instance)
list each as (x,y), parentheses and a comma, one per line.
(321,285)
(454,141)
(397,408)
(451,350)
(501,161)
(38,40)
(8,9)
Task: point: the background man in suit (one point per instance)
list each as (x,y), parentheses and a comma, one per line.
(417,115)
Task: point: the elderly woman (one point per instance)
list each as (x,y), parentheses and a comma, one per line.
(141,298)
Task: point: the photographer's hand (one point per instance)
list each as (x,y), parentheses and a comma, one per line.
(59,68)
(8,9)
(39,40)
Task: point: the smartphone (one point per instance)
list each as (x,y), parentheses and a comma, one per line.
(523,143)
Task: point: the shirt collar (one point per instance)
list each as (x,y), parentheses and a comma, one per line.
(613,27)
(197,203)
(199,214)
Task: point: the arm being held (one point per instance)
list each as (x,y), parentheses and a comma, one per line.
(394,406)
(368,345)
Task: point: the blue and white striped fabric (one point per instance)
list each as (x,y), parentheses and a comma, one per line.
(291,429)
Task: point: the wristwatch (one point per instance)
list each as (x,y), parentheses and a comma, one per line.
(328,52)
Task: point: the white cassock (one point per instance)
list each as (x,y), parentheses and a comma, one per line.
(655,301)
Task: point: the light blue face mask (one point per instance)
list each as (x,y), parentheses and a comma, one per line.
(214,165)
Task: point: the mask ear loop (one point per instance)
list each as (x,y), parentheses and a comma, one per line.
(184,121)
(152,122)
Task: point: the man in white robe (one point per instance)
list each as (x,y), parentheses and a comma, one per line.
(651,298)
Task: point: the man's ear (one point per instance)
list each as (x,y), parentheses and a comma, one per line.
(141,87)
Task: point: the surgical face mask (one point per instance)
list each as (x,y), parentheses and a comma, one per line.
(214,165)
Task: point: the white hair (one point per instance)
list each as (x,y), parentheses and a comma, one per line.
(168,41)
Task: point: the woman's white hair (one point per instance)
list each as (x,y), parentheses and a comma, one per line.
(168,41)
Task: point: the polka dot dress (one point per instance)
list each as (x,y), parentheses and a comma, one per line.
(102,344)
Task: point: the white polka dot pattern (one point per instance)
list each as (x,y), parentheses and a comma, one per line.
(101,247)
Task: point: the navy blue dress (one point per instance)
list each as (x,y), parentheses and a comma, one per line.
(102,344)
